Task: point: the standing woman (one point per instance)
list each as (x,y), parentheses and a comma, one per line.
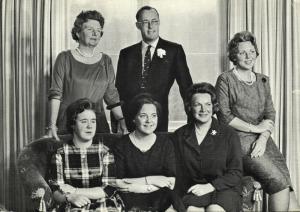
(84,72)
(246,105)
(209,155)
(146,161)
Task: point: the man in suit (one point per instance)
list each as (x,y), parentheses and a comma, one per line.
(151,66)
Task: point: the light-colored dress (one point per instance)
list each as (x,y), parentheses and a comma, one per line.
(253,103)
(72,80)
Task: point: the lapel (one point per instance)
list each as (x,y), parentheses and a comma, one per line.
(189,137)
(136,67)
(209,140)
(212,136)
(156,62)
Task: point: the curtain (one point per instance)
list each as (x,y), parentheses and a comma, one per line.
(26,48)
(276,26)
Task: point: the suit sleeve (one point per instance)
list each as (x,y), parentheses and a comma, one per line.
(120,76)
(234,171)
(183,77)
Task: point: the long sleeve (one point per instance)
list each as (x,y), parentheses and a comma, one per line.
(269,112)
(56,177)
(120,160)
(109,169)
(169,168)
(111,95)
(182,72)
(224,114)
(234,165)
(56,90)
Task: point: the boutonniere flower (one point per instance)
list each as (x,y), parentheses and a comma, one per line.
(161,52)
(213,132)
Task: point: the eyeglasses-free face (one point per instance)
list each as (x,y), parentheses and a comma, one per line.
(146,119)
(91,33)
(148,24)
(246,56)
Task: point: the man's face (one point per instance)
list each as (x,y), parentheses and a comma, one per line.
(148,24)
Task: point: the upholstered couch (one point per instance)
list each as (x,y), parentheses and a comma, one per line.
(34,159)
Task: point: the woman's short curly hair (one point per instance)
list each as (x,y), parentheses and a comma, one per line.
(83,18)
(234,43)
(196,88)
(139,101)
(75,108)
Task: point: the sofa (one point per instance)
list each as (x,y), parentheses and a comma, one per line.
(34,160)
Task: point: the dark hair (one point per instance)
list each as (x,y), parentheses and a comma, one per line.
(139,12)
(234,43)
(202,87)
(75,108)
(139,101)
(83,18)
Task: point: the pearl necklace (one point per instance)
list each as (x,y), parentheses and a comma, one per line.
(252,77)
(83,54)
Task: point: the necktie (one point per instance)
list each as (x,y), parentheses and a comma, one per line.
(145,73)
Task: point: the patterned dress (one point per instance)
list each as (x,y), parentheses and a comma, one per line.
(83,168)
(253,103)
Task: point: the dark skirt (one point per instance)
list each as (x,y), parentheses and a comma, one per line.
(229,200)
(159,200)
(270,169)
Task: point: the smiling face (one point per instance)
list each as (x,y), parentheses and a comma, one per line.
(202,107)
(246,56)
(148,24)
(146,119)
(85,126)
(90,33)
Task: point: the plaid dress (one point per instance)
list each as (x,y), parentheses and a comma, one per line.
(83,168)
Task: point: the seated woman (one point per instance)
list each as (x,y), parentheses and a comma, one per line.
(246,105)
(146,161)
(81,169)
(210,156)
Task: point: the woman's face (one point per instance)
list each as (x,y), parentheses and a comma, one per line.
(202,107)
(146,119)
(85,125)
(246,56)
(90,33)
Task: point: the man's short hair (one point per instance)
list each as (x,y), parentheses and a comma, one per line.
(139,12)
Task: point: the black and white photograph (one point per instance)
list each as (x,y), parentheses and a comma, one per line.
(150,105)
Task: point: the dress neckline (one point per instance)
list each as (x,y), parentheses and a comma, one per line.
(73,58)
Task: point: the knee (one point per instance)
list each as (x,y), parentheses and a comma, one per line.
(195,209)
(214,208)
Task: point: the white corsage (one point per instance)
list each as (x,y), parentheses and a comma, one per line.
(161,53)
(213,132)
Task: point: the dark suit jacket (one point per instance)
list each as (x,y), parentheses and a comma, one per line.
(163,72)
(218,159)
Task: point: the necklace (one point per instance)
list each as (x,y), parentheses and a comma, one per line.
(83,54)
(252,77)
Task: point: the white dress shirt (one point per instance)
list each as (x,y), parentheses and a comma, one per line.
(152,49)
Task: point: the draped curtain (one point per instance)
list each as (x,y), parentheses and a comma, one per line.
(26,41)
(277,28)
(33,32)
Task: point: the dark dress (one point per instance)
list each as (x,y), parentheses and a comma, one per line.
(217,160)
(72,80)
(133,163)
(252,104)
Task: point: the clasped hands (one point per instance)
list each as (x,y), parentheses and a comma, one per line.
(201,189)
(259,146)
(150,184)
(73,197)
